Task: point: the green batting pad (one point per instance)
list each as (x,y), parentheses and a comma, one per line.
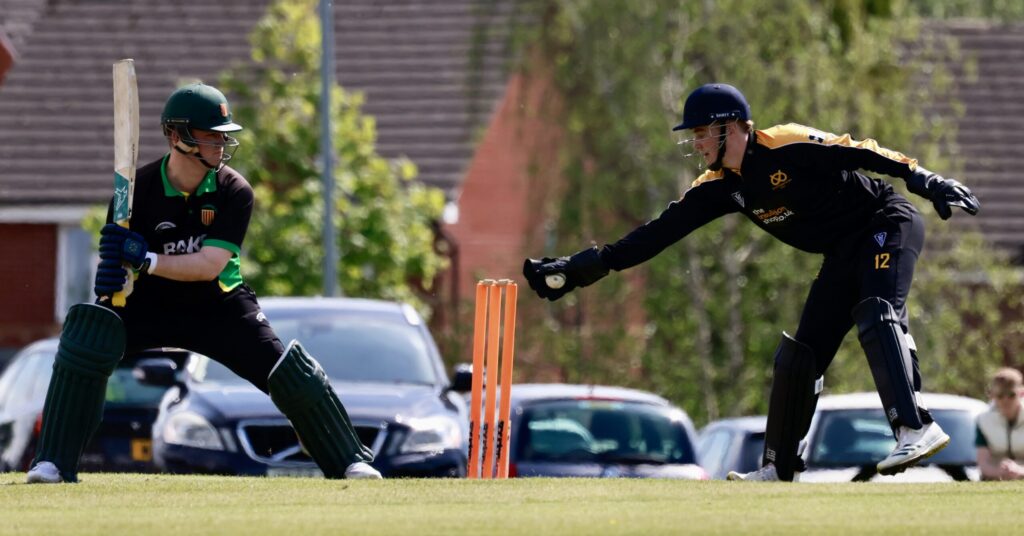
(91,344)
(301,390)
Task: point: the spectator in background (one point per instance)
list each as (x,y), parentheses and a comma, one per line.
(1000,438)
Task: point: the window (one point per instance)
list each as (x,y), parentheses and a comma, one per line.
(604,432)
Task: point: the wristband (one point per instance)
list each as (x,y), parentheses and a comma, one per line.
(149,264)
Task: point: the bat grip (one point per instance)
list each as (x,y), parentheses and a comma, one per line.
(120,297)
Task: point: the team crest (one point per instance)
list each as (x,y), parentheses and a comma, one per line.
(880,238)
(207,214)
(738,198)
(224,109)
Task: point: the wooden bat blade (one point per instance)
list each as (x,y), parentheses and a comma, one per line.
(126,150)
(126,138)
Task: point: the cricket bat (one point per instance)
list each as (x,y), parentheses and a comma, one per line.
(126,150)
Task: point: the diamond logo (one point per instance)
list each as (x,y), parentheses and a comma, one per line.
(880,238)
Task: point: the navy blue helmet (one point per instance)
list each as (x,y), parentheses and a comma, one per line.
(713,102)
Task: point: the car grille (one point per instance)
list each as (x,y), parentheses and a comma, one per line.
(275,442)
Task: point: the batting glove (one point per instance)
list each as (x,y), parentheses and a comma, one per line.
(121,244)
(111,277)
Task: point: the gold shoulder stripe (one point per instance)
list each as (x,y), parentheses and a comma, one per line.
(707,176)
(790,133)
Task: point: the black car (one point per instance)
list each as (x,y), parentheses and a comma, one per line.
(122,442)
(382,362)
(561,430)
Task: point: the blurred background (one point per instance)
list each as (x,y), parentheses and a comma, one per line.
(469,134)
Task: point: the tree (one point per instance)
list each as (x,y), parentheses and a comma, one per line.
(714,305)
(385,218)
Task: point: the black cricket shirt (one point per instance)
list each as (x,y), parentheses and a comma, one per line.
(799,184)
(177,223)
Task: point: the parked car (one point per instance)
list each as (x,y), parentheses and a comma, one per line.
(122,442)
(733,444)
(849,434)
(382,362)
(563,430)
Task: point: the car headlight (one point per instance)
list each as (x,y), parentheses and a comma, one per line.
(190,429)
(432,434)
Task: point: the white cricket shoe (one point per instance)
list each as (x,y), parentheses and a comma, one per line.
(44,473)
(912,446)
(362,470)
(764,474)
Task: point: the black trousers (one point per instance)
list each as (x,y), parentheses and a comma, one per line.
(876,264)
(230,329)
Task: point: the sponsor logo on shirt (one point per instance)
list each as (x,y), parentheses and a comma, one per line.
(191,245)
(165,226)
(775,215)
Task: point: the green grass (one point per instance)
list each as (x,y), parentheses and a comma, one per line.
(160,504)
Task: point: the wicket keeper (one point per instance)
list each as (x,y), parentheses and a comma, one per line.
(190,213)
(803,186)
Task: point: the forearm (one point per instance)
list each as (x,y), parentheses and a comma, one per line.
(675,222)
(987,466)
(203,265)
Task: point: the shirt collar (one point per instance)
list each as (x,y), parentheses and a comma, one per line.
(208,184)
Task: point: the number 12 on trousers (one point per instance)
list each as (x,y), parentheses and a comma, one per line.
(881,261)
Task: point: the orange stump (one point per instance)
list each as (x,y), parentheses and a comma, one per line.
(489,341)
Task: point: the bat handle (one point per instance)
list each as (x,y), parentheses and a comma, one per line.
(120,297)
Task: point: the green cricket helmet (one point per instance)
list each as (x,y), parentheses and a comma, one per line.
(199,107)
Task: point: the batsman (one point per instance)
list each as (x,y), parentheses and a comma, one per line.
(190,213)
(804,187)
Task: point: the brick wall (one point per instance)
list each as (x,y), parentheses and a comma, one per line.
(27,295)
(501,204)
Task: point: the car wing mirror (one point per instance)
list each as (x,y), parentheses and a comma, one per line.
(158,371)
(462,379)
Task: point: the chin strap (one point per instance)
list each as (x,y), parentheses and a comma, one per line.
(193,152)
(717,164)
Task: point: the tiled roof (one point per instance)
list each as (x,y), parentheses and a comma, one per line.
(17,18)
(989,136)
(412,58)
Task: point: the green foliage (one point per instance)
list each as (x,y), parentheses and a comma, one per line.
(714,305)
(385,219)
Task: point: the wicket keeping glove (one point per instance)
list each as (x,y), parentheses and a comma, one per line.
(123,245)
(577,271)
(943,193)
(111,277)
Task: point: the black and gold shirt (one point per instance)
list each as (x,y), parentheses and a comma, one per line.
(176,223)
(799,184)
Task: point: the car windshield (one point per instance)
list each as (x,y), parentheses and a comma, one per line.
(360,347)
(582,431)
(859,437)
(124,390)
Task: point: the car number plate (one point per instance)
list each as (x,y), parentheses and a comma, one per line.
(307,472)
(142,450)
